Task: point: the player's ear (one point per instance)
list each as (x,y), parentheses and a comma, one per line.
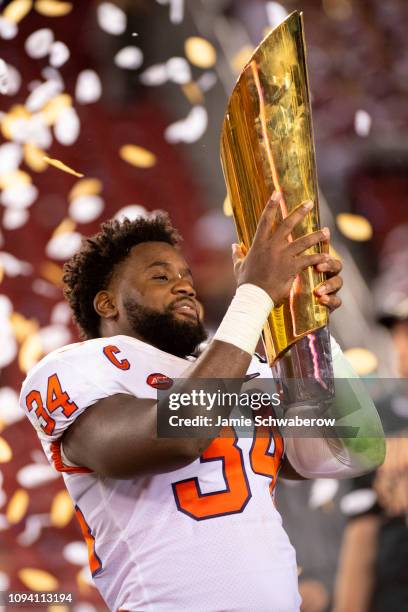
(105,304)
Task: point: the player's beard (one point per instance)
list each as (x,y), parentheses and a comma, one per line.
(163,330)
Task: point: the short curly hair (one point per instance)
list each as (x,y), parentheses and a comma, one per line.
(91,269)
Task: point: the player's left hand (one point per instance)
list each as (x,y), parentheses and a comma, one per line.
(326,292)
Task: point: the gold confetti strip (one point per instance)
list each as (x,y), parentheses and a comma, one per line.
(34,158)
(1,274)
(55,106)
(57,609)
(51,8)
(52,272)
(38,580)
(227,208)
(22,327)
(5,451)
(354,227)
(17,506)
(17,177)
(137,156)
(31,351)
(240,59)
(66,226)
(61,166)
(62,509)
(84,587)
(362,360)
(88,186)
(200,52)
(17,10)
(193,93)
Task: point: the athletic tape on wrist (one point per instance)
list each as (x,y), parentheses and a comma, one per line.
(243,322)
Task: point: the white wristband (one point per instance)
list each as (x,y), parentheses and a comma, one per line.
(245,318)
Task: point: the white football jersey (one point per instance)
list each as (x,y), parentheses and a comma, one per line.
(206,537)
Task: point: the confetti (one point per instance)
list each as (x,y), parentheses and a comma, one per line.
(322,492)
(54,108)
(17,10)
(67,126)
(51,8)
(39,43)
(275,13)
(13,80)
(226,207)
(8,29)
(362,360)
(357,502)
(154,75)
(17,506)
(63,246)
(189,129)
(37,580)
(19,196)
(61,166)
(362,123)
(22,327)
(88,87)
(30,352)
(88,186)
(13,218)
(52,273)
(9,407)
(240,59)
(16,177)
(354,227)
(53,337)
(66,225)
(34,158)
(193,93)
(59,54)
(42,94)
(35,474)
(5,452)
(4,77)
(137,156)
(178,70)
(111,18)
(11,156)
(86,208)
(129,57)
(200,52)
(131,212)
(62,509)
(76,553)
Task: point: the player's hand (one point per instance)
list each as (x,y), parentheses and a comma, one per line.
(326,292)
(273,262)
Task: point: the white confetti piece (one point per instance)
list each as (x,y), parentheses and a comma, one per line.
(275,13)
(178,70)
(189,129)
(13,266)
(154,75)
(42,94)
(11,155)
(61,314)
(36,132)
(176,9)
(35,474)
(43,287)
(88,87)
(131,212)
(10,411)
(111,18)
(8,29)
(207,80)
(50,73)
(63,246)
(19,196)
(13,80)
(4,77)
(129,57)
(38,44)
(67,126)
(322,491)
(76,553)
(33,527)
(54,336)
(8,348)
(6,307)
(86,208)
(362,123)
(13,218)
(59,54)
(358,501)
(4,581)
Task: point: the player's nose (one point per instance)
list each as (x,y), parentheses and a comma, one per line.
(184,287)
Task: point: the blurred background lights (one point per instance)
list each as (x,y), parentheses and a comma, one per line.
(354,227)
(363,361)
(362,123)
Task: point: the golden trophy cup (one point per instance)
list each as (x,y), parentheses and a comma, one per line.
(266,146)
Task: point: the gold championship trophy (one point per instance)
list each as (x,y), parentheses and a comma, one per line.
(266,146)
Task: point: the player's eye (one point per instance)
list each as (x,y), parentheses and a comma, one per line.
(161,277)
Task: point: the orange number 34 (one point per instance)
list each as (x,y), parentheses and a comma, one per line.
(56,398)
(236,494)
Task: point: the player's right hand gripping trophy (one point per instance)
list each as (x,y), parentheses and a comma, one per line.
(267,146)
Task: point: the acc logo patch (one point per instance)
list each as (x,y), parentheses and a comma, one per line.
(159,381)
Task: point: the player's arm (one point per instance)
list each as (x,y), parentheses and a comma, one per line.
(117,436)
